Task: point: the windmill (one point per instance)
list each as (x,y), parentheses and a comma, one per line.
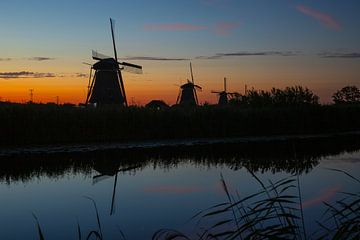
(107,85)
(187,95)
(224,95)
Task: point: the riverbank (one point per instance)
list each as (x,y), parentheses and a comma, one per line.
(33,125)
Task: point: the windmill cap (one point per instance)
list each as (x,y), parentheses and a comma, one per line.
(106,64)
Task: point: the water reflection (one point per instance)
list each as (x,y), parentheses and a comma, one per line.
(296,156)
(162,187)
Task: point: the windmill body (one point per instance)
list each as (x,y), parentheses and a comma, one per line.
(106,88)
(188,94)
(223,98)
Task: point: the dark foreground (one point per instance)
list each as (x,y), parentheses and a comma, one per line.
(39,124)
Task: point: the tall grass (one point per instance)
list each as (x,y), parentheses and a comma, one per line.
(274,212)
(23,125)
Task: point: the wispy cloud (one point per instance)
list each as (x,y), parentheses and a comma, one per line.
(246,54)
(5,59)
(25,74)
(148,58)
(340,55)
(81,75)
(324,18)
(325,195)
(174,27)
(225,28)
(41,59)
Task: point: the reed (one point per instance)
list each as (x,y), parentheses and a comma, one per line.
(40,124)
(274,212)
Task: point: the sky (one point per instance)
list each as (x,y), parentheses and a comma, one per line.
(258,43)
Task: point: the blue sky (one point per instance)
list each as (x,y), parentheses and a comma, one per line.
(66,31)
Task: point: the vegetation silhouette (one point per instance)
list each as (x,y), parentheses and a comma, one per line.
(274,212)
(36,124)
(347,95)
(290,96)
(291,156)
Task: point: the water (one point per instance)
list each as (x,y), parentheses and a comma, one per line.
(161,188)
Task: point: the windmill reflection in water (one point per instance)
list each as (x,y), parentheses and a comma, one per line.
(108,169)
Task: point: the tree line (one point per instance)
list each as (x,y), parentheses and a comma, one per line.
(295,95)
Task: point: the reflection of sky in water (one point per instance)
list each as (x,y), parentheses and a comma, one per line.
(151,199)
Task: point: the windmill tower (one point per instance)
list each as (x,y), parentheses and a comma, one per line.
(107,85)
(187,95)
(224,95)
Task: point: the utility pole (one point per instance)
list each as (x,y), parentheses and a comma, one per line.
(31,95)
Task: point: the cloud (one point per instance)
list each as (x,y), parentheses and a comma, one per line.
(340,55)
(5,59)
(246,54)
(325,195)
(147,58)
(81,75)
(174,27)
(225,28)
(25,74)
(325,19)
(40,59)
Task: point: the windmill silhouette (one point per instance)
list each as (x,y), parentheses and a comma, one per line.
(187,95)
(107,85)
(224,95)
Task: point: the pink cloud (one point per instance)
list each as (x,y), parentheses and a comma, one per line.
(325,19)
(172,189)
(325,195)
(175,27)
(225,28)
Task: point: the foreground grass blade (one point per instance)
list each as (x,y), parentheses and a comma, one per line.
(41,235)
(97,216)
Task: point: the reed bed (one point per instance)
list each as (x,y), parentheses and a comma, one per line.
(41,124)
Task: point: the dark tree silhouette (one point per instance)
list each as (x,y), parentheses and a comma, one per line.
(296,95)
(347,95)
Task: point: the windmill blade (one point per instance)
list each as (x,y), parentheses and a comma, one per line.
(89,64)
(99,178)
(112,208)
(132,68)
(98,56)
(112,23)
(192,75)
(198,87)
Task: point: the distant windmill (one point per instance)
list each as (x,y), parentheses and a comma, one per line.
(224,95)
(107,85)
(187,94)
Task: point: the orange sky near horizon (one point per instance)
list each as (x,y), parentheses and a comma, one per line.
(161,79)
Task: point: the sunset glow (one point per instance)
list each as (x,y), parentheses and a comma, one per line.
(254,43)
